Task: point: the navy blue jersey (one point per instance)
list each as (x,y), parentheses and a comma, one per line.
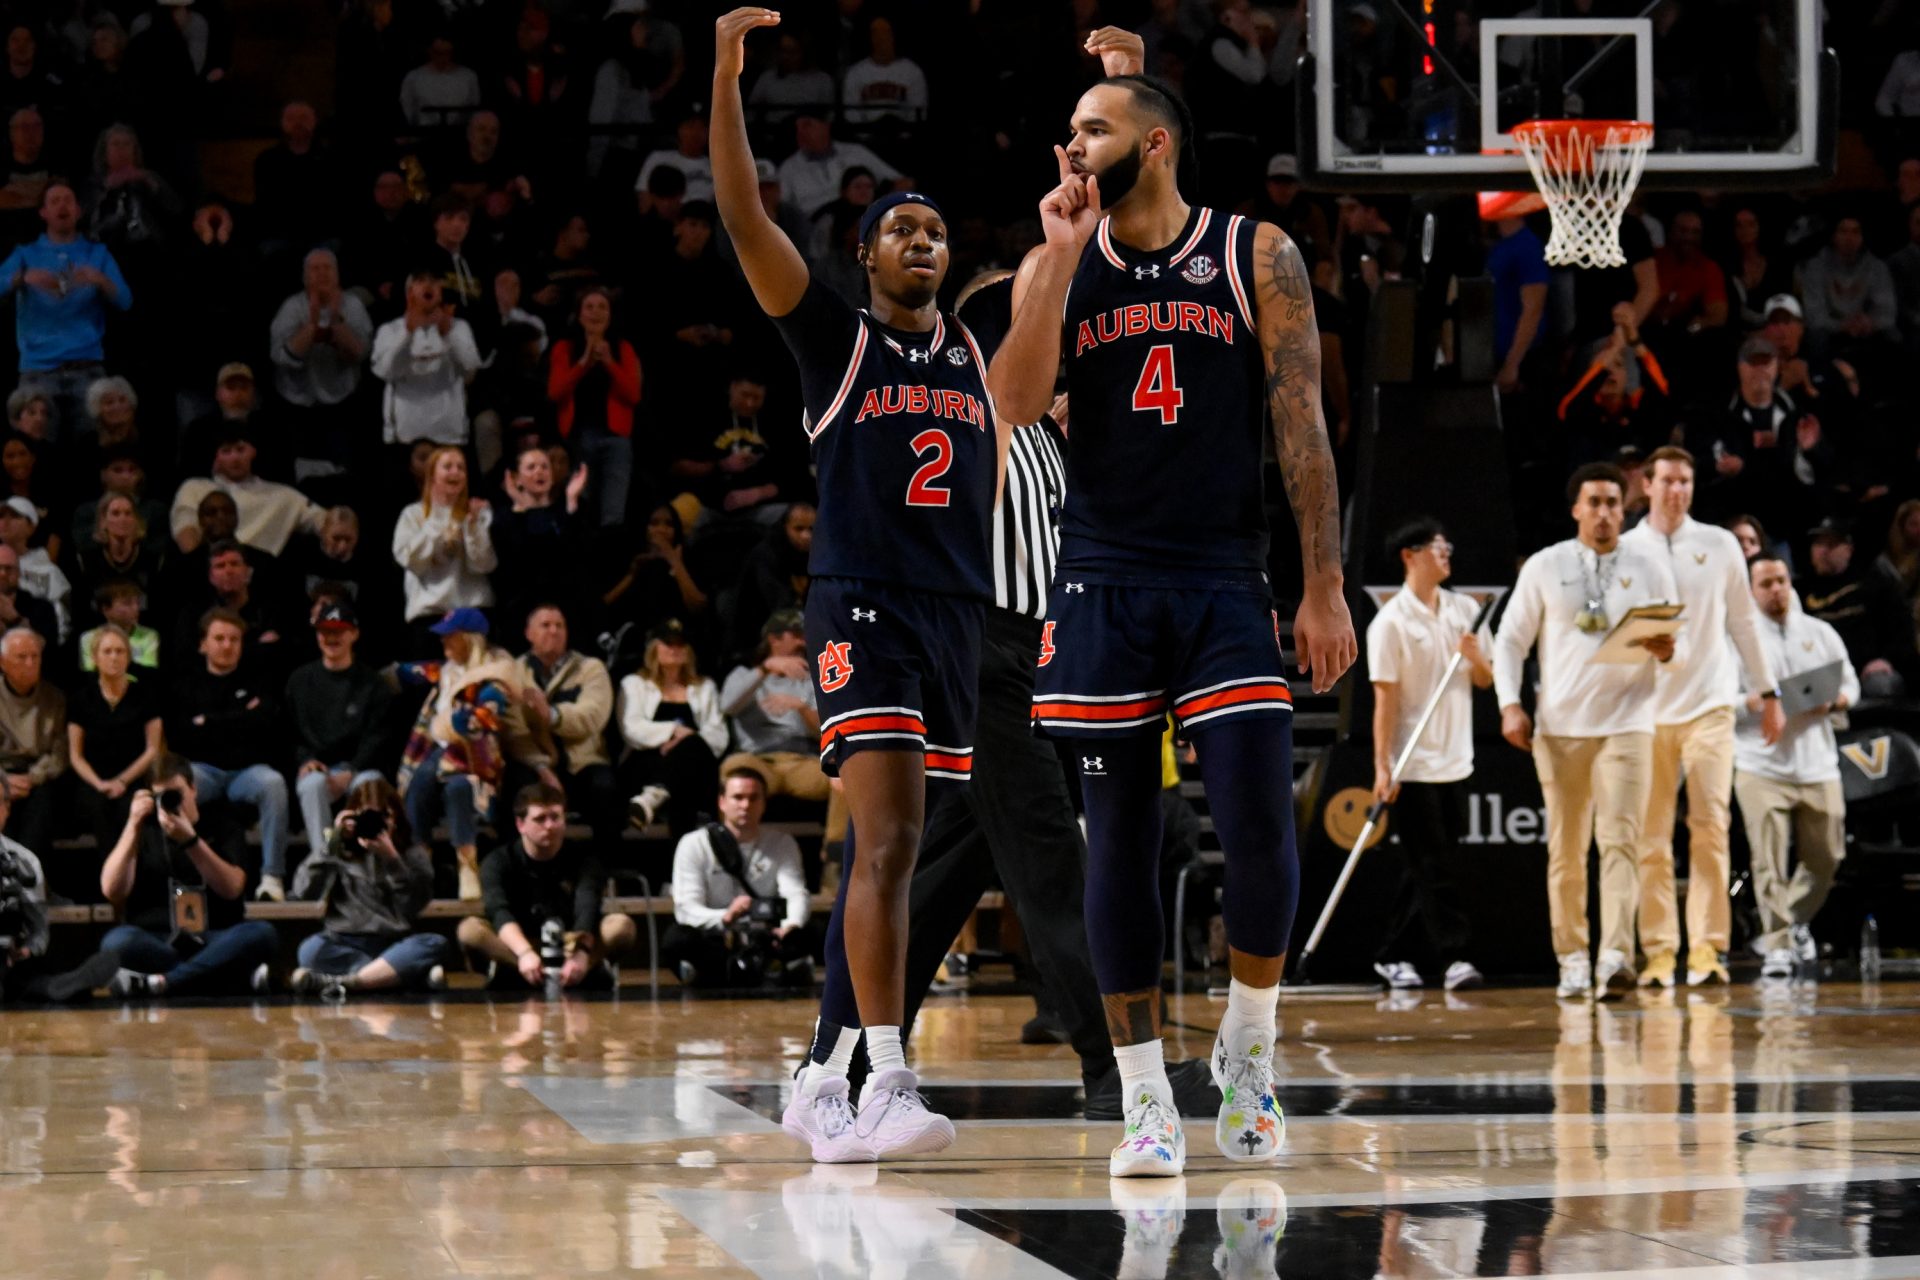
(1165,391)
(903,445)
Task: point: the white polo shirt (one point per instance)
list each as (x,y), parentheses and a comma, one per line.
(1711,575)
(1409,645)
(1580,698)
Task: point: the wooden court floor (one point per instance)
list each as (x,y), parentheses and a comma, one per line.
(1731,1133)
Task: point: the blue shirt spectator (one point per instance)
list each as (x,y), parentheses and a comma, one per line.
(1518,264)
(65,282)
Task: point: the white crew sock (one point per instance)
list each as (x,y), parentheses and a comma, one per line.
(884,1053)
(1142,1064)
(1252,1006)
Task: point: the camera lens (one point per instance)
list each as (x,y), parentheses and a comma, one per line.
(170,801)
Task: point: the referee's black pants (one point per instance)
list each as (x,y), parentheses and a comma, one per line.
(1014,818)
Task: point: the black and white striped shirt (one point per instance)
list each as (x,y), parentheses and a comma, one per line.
(1026,524)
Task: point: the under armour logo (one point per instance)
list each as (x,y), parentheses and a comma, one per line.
(1076,588)
(1093,764)
(918,355)
(865,615)
(1147,273)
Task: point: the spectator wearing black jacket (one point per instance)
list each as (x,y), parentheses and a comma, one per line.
(224,718)
(338,707)
(536,885)
(539,539)
(230,585)
(1864,604)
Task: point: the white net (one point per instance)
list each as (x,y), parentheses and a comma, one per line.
(1586,171)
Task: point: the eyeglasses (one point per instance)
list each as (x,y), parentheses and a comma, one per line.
(1440,546)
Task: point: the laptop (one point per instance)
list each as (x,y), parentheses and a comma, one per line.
(1810,690)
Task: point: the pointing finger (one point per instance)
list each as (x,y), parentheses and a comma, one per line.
(1066,165)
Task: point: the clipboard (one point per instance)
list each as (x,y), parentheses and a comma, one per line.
(1624,644)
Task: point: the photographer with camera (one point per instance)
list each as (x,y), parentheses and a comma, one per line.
(739,896)
(536,886)
(374,880)
(180,901)
(24,973)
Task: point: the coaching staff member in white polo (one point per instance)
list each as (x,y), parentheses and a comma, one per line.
(1594,747)
(1693,710)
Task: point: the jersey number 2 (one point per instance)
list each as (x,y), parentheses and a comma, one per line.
(1156,390)
(921,491)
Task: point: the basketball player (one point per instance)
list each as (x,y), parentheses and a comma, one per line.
(1178,324)
(908,453)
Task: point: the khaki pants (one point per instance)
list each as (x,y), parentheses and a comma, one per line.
(1809,818)
(1596,789)
(788,773)
(1700,752)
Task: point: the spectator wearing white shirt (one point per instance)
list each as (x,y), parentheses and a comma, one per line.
(39,575)
(1693,726)
(1410,643)
(776,725)
(810,177)
(439,92)
(444,543)
(689,156)
(719,872)
(426,357)
(320,337)
(269,513)
(670,718)
(1789,785)
(883,83)
(793,83)
(1594,748)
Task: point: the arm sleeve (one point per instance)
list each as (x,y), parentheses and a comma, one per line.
(1849,678)
(791,880)
(122,298)
(1743,624)
(1383,653)
(1883,303)
(1668,591)
(1518,630)
(587,715)
(690,884)
(286,323)
(463,350)
(185,512)
(415,545)
(479,544)
(311,880)
(389,344)
(624,376)
(713,725)
(493,889)
(52,762)
(415,875)
(563,372)
(588,892)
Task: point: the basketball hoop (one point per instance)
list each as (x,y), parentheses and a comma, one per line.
(1586,171)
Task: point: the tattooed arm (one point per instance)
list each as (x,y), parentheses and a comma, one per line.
(1290,344)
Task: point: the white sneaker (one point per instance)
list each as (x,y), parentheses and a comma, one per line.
(128,985)
(1461,975)
(1400,975)
(1779,965)
(272,889)
(1250,1127)
(437,978)
(1252,1214)
(1576,976)
(1613,977)
(895,1120)
(820,1115)
(1803,943)
(645,807)
(262,980)
(1154,1213)
(1154,1146)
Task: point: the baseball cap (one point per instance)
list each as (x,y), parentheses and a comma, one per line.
(461,620)
(1756,349)
(1283,165)
(1785,302)
(784,621)
(24,508)
(893,200)
(673,631)
(338,616)
(1832,527)
(765,169)
(231,370)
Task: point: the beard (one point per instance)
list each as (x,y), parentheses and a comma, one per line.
(1118,178)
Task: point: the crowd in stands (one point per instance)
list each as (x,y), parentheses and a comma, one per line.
(454,459)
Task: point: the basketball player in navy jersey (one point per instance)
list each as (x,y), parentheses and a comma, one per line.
(908,453)
(1182,328)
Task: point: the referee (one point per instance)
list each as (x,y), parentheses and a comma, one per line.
(1015,820)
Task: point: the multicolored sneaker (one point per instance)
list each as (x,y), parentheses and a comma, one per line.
(1250,1127)
(1253,1217)
(1155,1145)
(895,1120)
(820,1115)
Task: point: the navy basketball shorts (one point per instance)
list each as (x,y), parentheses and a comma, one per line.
(895,670)
(1116,659)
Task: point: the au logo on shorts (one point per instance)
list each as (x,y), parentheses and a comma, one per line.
(836,665)
(1046,645)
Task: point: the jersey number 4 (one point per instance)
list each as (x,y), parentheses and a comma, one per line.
(921,490)
(1157,391)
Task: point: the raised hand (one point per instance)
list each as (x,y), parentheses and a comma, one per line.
(1121,52)
(1071,211)
(730,38)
